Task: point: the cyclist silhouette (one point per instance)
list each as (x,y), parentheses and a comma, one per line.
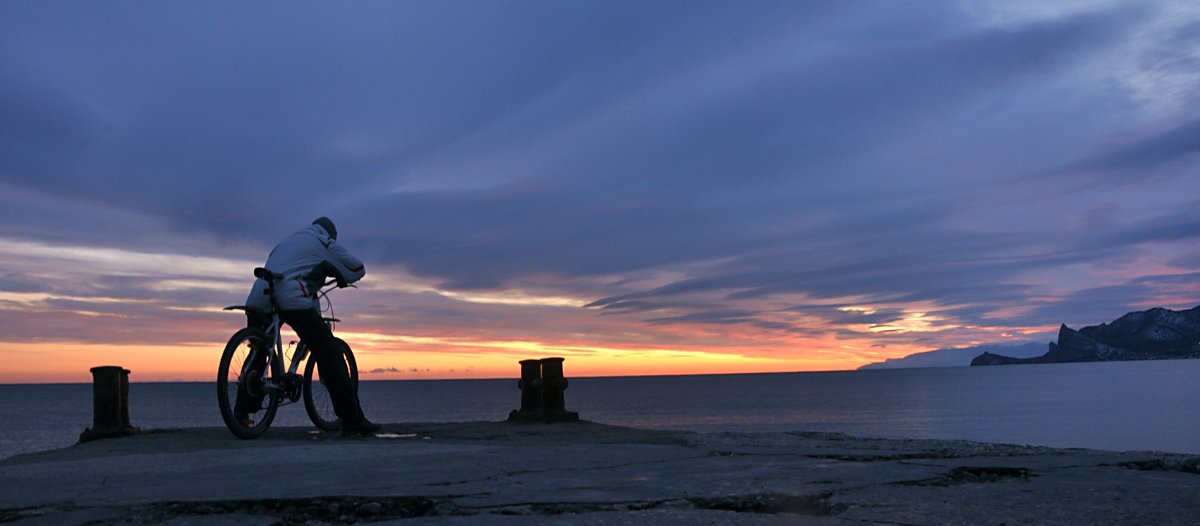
(306,259)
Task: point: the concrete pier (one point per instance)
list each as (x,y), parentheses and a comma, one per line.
(587,474)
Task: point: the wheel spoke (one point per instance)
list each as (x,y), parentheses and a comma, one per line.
(247,407)
(317,399)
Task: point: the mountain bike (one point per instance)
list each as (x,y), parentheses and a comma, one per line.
(255,364)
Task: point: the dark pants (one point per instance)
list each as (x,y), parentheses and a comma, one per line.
(327,350)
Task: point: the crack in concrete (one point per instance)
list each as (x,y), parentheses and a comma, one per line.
(973,475)
(1189,465)
(773,503)
(351,509)
(570,469)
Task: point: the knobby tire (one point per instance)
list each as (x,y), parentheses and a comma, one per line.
(244,345)
(316,397)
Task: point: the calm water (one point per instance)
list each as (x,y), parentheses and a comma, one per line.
(1115,406)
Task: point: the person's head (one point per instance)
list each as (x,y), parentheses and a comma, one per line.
(327,224)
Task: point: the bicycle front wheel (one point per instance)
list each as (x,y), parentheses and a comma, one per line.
(247,403)
(316,396)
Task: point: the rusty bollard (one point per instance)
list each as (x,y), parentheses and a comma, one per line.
(125,399)
(554,403)
(110,404)
(542,400)
(531,386)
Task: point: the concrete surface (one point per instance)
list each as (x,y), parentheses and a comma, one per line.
(587,474)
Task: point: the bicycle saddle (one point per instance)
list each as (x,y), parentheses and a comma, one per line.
(263,273)
(247,308)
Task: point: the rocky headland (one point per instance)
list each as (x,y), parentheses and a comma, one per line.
(1155,334)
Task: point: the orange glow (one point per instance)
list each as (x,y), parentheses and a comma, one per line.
(403,327)
(70,362)
(382,357)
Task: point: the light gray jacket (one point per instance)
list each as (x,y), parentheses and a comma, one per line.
(295,257)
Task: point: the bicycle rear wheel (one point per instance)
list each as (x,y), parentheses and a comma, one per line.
(247,405)
(316,396)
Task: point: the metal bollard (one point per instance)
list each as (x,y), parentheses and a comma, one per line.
(531,386)
(110,404)
(125,399)
(553,385)
(542,384)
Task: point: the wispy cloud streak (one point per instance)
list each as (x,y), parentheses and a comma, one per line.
(825,184)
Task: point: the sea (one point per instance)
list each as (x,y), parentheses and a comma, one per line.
(1117,406)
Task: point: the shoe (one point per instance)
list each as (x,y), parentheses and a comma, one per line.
(361,427)
(245,420)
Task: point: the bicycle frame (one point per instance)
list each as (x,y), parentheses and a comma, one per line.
(255,369)
(276,351)
(277,355)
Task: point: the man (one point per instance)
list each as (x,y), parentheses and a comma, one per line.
(306,259)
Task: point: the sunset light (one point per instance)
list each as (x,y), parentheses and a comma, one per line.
(742,190)
(589,262)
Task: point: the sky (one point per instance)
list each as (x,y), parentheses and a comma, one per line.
(661,187)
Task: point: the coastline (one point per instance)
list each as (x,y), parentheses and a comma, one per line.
(587,473)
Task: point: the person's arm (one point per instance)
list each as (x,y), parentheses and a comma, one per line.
(349,268)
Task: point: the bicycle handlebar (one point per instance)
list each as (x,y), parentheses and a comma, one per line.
(335,282)
(270,277)
(266,274)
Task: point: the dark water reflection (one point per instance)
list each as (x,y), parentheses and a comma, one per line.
(1116,406)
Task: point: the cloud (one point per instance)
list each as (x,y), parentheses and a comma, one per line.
(1131,163)
(19,282)
(788,169)
(381,370)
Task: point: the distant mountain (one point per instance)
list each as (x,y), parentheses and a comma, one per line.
(1154,334)
(957,357)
